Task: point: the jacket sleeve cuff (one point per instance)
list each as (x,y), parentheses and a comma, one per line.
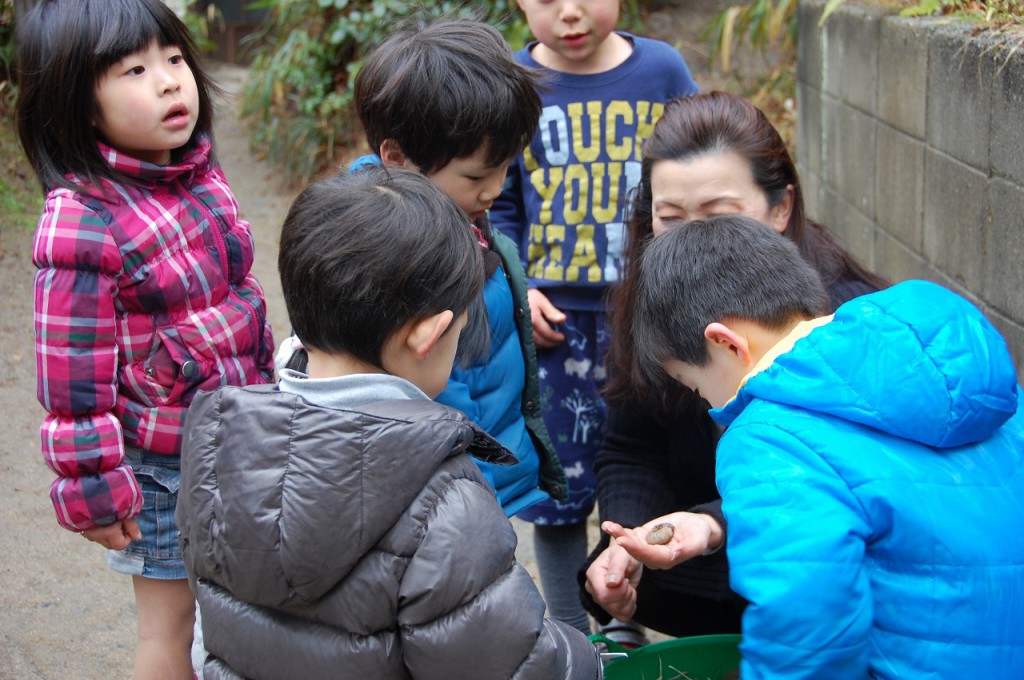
(83,503)
(714,510)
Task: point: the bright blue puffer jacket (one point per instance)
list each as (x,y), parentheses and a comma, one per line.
(873,483)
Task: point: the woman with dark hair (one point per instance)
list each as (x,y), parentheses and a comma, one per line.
(709,154)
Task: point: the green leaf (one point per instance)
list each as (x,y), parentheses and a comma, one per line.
(830,6)
(922,9)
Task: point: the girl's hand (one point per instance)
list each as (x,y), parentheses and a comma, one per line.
(544,317)
(116,536)
(693,535)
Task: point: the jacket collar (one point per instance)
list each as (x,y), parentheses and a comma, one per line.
(731,409)
(193,160)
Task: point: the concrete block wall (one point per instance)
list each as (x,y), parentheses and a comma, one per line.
(910,146)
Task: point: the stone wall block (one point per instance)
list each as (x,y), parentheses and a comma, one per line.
(1004,249)
(922,176)
(960,84)
(899,185)
(831,212)
(1008,113)
(897,262)
(956,217)
(1013,334)
(851,54)
(848,148)
(810,185)
(854,231)
(808,127)
(809,42)
(903,74)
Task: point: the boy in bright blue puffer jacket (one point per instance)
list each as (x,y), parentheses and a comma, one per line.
(872,468)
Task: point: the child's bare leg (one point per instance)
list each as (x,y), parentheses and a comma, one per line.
(166,612)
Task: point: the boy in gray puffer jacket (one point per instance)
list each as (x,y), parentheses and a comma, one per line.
(333,526)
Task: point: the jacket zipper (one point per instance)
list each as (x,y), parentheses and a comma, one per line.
(222,251)
(218,237)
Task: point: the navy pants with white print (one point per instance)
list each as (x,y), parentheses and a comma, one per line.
(571,377)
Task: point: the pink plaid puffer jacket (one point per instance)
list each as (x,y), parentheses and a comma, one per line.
(143,297)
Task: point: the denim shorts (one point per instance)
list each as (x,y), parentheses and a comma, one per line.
(157,554)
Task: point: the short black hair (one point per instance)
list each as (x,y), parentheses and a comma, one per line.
(364,253)
(444,89)
(64,48)
(724,267)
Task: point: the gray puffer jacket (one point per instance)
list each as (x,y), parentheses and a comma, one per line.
(326,543)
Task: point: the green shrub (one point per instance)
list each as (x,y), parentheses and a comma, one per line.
(764,26)
(297,99)
(761,24)
(298,96)
(200,23)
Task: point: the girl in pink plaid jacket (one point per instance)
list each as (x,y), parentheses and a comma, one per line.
(144,294)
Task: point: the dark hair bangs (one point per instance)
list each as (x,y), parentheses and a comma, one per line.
(512,133)
(444,91)
(494,105)
(122,30)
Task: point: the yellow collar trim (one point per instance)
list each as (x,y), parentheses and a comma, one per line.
(801,330)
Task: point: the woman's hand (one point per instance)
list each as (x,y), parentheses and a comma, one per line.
(694,534)
(612,579)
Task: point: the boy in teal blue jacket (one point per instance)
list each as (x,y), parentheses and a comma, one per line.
(872,469)
(448,100)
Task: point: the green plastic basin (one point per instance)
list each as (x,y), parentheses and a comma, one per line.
(704,657)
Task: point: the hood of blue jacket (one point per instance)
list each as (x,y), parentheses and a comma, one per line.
(915,361)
